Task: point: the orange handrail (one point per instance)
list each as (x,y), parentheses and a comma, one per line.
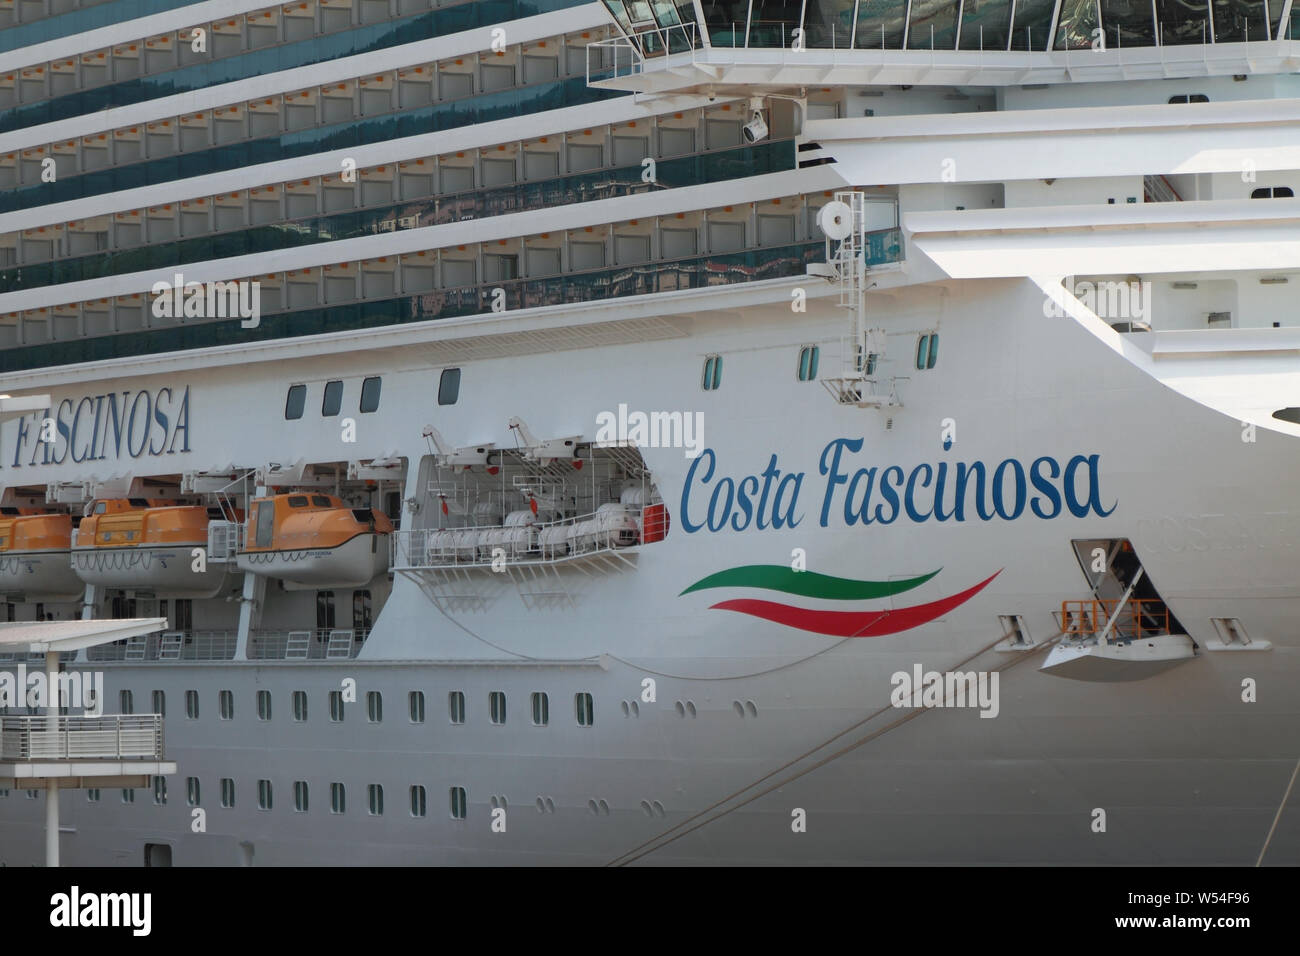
(1135,619)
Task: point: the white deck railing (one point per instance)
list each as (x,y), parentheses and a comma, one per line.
(115,737)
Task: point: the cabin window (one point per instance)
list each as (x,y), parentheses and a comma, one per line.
(927,350)
(184,614)
(192,791)
(320,501)
(92,794)
(419,801)
(300,796)
(415,701)
(300,706)
(449,386)
(297,501)
(1272,192)
(324,610)
(264,794)
(265,523)
(160,703)
(192,704)
(808,356)
(370,394)
(1189,98)
(541,710)
(332,401)
(374,707)
(226,705)
(294,404)
(585,709)
(375,793)
(128,796)
(160,790)
(458,803)
(712,379)
(456,706)
(338,798)
(336,706)
(497,706)
(361,613)
(227,792)
(127,700)
(263,705)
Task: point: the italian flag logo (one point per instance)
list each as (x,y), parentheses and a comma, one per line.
(863,622)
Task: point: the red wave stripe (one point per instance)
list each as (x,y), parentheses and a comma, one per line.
(853,623)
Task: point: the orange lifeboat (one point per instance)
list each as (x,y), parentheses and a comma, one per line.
(311,540)
(35,551)
(148,545)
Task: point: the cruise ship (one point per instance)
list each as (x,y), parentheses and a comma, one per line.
(646,433)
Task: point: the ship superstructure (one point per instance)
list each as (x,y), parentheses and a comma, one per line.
(550,429)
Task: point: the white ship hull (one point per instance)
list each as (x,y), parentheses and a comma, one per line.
(355,563)
(171,571)
(1186,770)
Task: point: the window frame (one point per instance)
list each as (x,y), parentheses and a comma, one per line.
(453,387)
(335,386)
(366,395)
(296,397)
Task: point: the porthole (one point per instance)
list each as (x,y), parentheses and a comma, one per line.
(807,368)
(712,379)
(738,707)
(751,708)
(295,402)
(690,707)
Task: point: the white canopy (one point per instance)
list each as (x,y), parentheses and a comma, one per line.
(73,635)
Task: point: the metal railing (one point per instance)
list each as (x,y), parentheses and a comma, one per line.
(112,737)
(170,646)
(307,644)
(1132,619)
(544,542)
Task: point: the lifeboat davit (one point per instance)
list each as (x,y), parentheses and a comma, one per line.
(315,541)
(148,545)
(35,554)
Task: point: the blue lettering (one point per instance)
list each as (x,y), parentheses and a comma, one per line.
(718,522)
(689,526)
(963,476)
(998,492)
(144,430)
(22,440)
(161,418)
(852,515)
(833,470)
(183,423)
(62,427)
(76,422)
(1046,487)
(887,491)
(744,504)
(908,496)
(1077,508)
(789,519)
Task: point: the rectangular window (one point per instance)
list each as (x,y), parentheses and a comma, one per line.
(227,792)
(374,707)
(127,700)
(497,706)
(375,793)
(226,705)
(370,394)
(361,614)
(300,705)
(263,705)
(300,796)
(160,703)
(128,796)
(264,794)
(295,402)
(456,706)
(415,701)
(541,710)
(338,798)
(449,386)
(458,803)
(332,401)
(160,790)
(583,707)
(192,704)
(92,794)
(336,706)
(419,801)
(712,378)
(192,791)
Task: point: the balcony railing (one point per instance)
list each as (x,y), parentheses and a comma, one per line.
(113,737)
(169,646)
(314,644)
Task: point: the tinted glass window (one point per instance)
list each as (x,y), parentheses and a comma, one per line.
(297,501)
(449,386)
(370,394)
(333,400)
(296,402)
(320,501)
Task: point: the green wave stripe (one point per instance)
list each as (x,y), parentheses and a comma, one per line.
(780,577)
